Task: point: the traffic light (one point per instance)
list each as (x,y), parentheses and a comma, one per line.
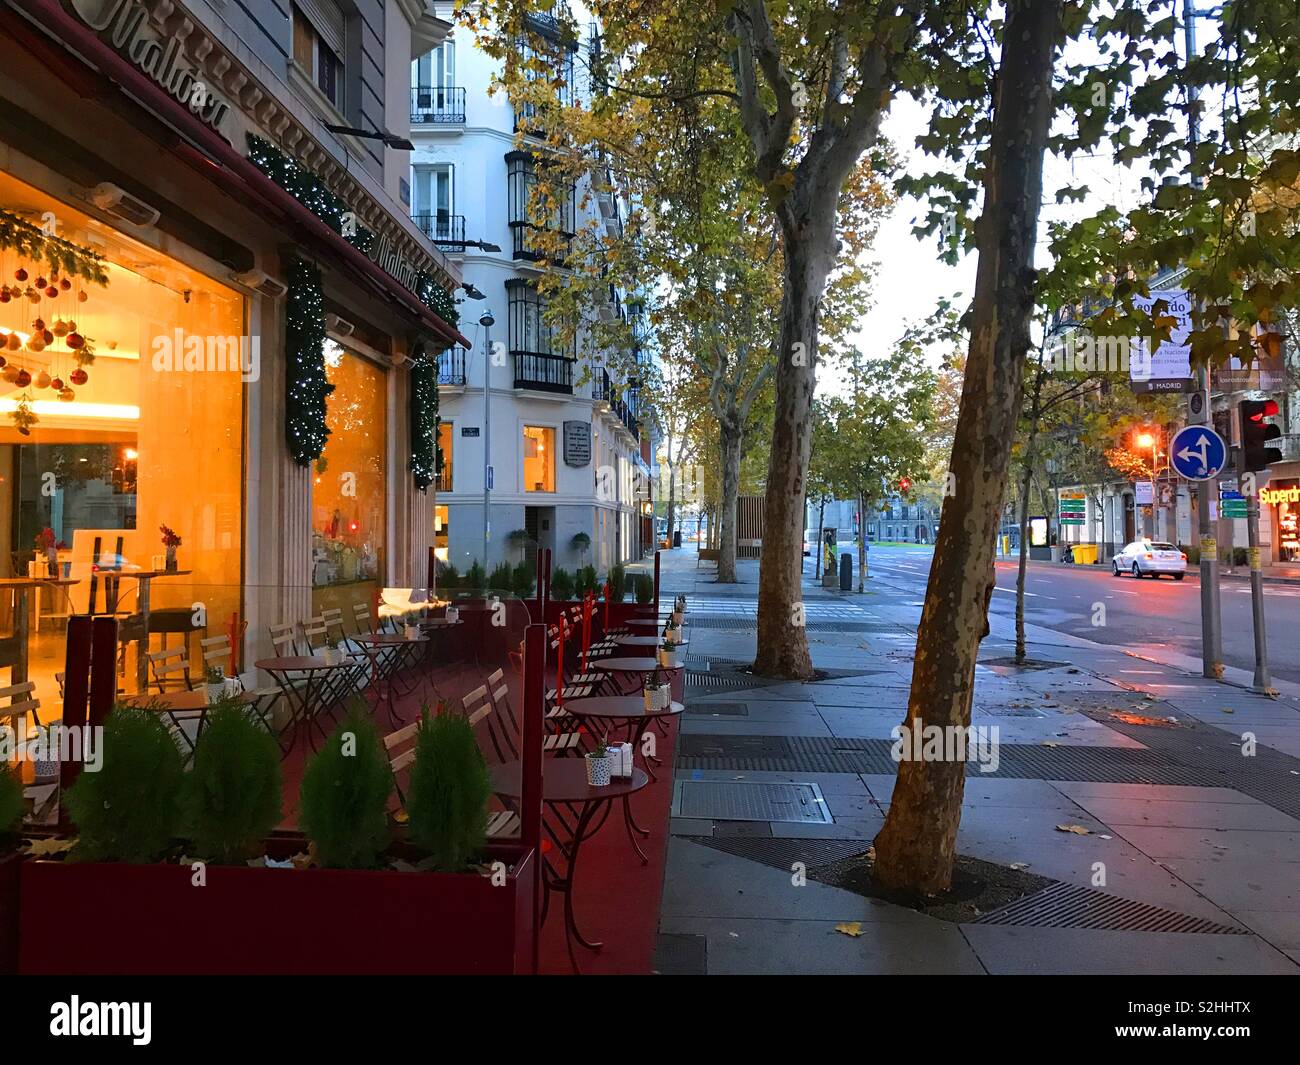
(905,483)
(1256,433)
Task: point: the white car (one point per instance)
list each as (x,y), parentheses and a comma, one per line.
(1144,558)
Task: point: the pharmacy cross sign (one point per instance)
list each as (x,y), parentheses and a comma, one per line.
(1197,453)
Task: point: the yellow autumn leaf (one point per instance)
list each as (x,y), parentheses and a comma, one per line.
(43,848)
(849,928)
(1078,830)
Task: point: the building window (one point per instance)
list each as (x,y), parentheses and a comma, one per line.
(318,43)
(435,97)
(441,517)
(527,215)
(349,490)
(434,202)
(539,459)
(542,360)
(445,451)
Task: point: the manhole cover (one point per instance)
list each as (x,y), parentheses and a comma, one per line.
(734,800)
(1072,906)
(681,955)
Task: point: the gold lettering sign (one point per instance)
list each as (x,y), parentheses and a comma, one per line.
(1280,495)
(125,25)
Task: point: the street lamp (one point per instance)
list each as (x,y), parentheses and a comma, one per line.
(1149,439)
(487,322)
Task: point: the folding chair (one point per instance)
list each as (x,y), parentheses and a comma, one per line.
(217,651)
(170,668)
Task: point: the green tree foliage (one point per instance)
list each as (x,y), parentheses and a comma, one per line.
(449,792)
(344,797)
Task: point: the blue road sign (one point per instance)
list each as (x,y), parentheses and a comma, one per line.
(1197,453)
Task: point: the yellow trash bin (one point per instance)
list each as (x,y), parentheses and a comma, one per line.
(1085,554)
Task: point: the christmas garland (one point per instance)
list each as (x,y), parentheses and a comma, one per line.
(426,455)
(306,387)
(64,257)
(312,193)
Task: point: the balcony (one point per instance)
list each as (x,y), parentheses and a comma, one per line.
(543,372)
(451,367)
(444,478)
(437,105)
(447,231)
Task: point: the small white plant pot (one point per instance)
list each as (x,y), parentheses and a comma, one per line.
(412,632)
(598,769)
(677,618)
(667,659)
(233,687)
(453,614)
(332,655)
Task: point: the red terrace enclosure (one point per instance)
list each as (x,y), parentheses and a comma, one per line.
(114,918)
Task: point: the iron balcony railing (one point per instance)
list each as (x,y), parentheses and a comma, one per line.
(451,366)
(436,105)
(543,372)
(447,231)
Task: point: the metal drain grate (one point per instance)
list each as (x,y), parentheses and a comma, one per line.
(1072,906)
(681,955)
(729,800)
(723,660)
(782,852)
(1010,664)
(718,710)
(707,683)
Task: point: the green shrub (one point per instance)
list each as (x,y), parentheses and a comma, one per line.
(523,580)
(11,800)
(233,790)
(129,811)
(474,578)
(585,581)
(580,542)
(561,585)
(449,792)
(501,579)
(618,582)
(1192,552)
(344,798)
(448,578)
(645,588)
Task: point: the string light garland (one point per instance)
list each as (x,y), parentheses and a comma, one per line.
(63,257)
(306,387)
(426,455)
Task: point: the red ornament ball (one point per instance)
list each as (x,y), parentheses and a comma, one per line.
(24,378)
(41,282)
(66,395)
(78,376)
(4,296)
(82,296)
(65,284)
(75,341)
(3,362)
(20,274)
(52,291)
(13,342)
(57,384)
(47,336)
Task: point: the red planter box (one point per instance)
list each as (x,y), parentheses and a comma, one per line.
(110,918)
(9,865)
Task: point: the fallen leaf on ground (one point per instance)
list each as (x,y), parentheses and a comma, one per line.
(1227,710)
(1018,866)
(1050,743)
(42,848)
(1078,830)
(849,928)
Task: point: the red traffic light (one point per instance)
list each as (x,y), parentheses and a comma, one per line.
(1257,433)
(904,484)
(1260,409)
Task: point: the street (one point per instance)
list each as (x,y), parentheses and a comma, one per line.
(1139,615)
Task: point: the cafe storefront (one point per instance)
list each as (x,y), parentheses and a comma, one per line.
(1280,499)
(169,309)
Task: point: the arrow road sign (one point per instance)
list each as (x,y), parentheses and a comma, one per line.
(1198,453)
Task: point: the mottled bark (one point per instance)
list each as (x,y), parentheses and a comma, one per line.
(730,439)
(916,847)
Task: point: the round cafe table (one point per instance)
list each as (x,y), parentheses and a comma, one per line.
(316,676)
(564,783)
(644,641)
(375,644)
(182,702)
(619,668)
(625,711)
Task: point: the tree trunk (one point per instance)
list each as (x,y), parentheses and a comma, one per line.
(782,639)
(671,512)
(862,544)
(916,847)
(1035,413)
(730,434)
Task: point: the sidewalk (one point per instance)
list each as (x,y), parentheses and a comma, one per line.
(1198,845)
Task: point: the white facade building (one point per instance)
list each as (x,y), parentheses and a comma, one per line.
(566,456)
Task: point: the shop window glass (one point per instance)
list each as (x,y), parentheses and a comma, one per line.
(349,484)
(149,433)
(539,459)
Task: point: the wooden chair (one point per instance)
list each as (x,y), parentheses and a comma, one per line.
(217,651)
(170,668)
(477,707)
(316,635)
(400,746)
(19,707)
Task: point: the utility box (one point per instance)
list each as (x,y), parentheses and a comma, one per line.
(846,572)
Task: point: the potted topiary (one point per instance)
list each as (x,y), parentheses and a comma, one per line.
(518,539)
(666,654)
(598,765)
(561,585)
(449,790)
(501,578)
(233,790)
(474,578)
(523,580)
(618,582)
(581,543)
(657,694)
(332,653)
(585,581)
(644,589)
(344,797)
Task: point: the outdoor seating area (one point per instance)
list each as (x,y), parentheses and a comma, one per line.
(573,709)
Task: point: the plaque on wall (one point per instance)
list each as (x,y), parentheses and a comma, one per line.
(577,443)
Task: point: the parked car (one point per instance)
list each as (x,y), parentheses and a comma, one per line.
(1150,558)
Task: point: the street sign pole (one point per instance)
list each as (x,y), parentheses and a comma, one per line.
(1211,632)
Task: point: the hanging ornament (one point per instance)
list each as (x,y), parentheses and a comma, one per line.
(75,341)
(4,295)
(51,291)
(13,342)
(79,376)
(41,282)
(38,325)
(42,380)
(65,284)
(57,384)
(32,294)
(82,296)
(10,373)
(24,378)
(3,362)
(60,328)
(37,342)
(67,395)
(20,274)
(48,337)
